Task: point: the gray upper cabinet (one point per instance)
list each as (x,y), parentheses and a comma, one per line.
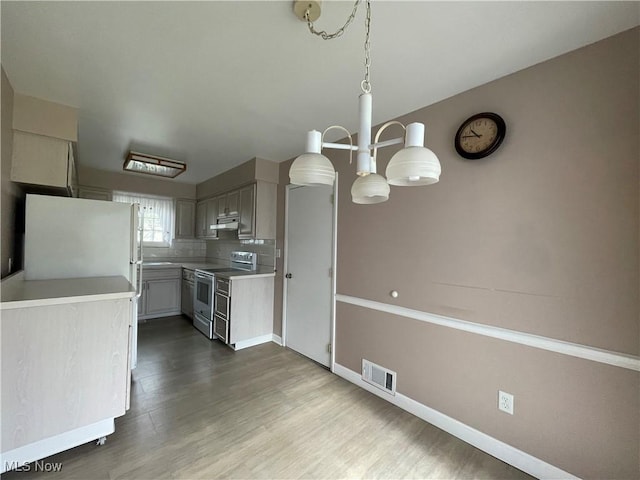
(221,205)
(247,220)
(212,217)
(229,204)
(44,134)
(185,218)
(42,160)
(258,211)
(207,215)
(233,203)
(254,204)
(201,219)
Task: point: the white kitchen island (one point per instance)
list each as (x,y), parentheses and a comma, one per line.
(66,372)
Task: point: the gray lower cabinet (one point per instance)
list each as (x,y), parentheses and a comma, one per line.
(161,295)
(187,292)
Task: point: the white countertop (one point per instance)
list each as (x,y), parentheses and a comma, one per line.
(190,266)
(260,272)
(19,293)
(204,266)
(161,265)
(237,275)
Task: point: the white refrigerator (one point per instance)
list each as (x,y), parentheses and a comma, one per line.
(75,238)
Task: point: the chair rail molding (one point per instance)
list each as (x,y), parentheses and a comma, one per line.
(586,352)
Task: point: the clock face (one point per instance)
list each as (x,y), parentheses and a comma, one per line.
(480,135)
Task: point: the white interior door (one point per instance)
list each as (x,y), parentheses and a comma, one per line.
(309,260)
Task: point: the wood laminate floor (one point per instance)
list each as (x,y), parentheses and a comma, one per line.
(200,410)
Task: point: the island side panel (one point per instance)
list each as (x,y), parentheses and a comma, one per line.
(251,312)
(63,367)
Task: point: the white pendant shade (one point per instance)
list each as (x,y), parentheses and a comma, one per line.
(370,189)
(312,169)
(413,166)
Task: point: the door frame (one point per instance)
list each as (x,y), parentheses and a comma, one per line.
(334,248)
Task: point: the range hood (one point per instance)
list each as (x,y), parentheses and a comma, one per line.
(225,223)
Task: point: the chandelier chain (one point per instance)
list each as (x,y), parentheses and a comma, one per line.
(337,33)
(366,84)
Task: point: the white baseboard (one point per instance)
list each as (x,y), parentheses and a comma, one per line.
(17,457)
(253,342)
(277,339)
(146,318)
(511,455)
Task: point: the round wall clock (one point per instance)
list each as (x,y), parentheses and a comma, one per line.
(480,135)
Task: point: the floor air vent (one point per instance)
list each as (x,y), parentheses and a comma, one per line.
(379,376)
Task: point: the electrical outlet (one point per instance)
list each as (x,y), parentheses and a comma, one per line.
(505,402)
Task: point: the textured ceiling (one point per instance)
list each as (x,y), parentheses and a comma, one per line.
(218,83)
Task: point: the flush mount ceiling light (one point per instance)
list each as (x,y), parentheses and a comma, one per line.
(413,165)
(152,165)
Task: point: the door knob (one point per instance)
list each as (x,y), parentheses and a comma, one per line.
(288,275)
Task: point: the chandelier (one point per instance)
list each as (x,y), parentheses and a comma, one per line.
(413,165)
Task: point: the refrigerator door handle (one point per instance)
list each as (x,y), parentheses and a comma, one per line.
(136,234)
(139,289)
(133,249)
(140,252)
(137,256)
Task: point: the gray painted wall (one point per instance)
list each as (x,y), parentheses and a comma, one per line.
(12,196)
(540,237)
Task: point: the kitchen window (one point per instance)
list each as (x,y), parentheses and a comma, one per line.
(157,216)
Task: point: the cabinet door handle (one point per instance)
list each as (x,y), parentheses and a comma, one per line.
(288,275)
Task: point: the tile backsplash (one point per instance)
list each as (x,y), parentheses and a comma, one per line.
(179,249)
(214,251)
(220,249)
